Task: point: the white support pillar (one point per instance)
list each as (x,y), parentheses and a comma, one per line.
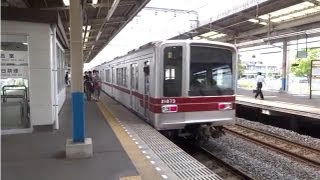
(78,146)
(76,45)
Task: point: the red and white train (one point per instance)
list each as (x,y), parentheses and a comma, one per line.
(176,84)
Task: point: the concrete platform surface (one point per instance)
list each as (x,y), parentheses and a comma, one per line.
(282,102)
(283,97)
(41,155)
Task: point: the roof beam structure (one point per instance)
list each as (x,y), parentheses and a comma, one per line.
(315,2)
(102,21)
(308,22)
(270,20)
(114,20)
(89,6)
(106,19)
(131,13)
(17,3)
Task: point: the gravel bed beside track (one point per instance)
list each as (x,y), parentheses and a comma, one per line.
(259,162)
(290,135)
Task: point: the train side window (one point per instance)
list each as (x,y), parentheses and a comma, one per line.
(124,77)
(137,76)
(172,65)
(107,74)
(133,76)
(118,76)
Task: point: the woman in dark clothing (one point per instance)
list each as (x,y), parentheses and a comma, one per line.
(88,82)
(66,78)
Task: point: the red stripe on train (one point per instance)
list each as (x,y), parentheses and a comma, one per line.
(187,107)
(183,100)
(185,104)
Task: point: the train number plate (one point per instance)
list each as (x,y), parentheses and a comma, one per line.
(168,101)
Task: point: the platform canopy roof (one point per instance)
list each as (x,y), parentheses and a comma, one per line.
(102,19)
(258,23)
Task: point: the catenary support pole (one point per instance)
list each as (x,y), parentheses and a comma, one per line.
(284,66)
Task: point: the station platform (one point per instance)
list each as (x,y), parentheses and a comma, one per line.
(282,102)
(124,147)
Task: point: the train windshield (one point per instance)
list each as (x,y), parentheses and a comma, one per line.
(210,71)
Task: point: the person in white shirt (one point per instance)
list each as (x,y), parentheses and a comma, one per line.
(260,80)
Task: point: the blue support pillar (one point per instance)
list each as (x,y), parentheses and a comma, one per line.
(78,130)
(78,117)
(78,146)
(283,84)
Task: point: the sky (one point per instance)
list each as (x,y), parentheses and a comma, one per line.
(155,25)
(151,25)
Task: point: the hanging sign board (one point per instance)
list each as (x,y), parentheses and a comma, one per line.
(301,54)
(14,64)
(315,75)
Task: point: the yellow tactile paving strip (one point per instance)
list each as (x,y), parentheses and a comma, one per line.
(143,166)
(131,178)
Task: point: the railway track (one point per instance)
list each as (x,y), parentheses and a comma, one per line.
(300,152)
(225,170)
(222,168)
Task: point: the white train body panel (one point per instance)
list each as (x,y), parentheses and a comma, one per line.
(165,97)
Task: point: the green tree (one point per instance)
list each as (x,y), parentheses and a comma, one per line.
(301,67)
(241,68)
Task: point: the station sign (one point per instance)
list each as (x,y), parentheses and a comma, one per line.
(14,64)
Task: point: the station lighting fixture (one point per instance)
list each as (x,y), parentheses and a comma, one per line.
(211,33)
(289,13)
(254,20)
(67,2)
(263,23)
(87,33)
(217,36)
(196,38)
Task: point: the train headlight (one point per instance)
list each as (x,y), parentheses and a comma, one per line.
(169,108)
(225,106)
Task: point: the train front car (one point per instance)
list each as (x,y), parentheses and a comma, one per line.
(197,81)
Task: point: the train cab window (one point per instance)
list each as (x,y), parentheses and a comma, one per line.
(210,71)
(172,62)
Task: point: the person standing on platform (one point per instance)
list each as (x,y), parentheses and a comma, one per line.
(89,85)
(260,80)
(97,84)
(85,77)
(66,78)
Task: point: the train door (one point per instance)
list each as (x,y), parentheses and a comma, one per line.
(146,70)
(112,80)
(132,98)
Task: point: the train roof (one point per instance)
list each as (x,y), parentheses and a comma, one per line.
(154,43)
